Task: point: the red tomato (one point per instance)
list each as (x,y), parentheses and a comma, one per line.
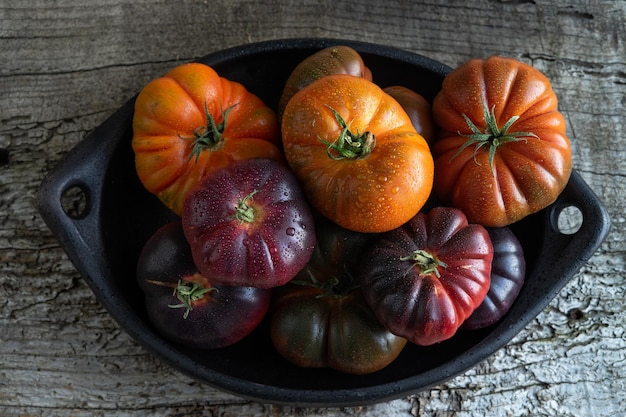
(502,152)
(424,279)
(249,224)
(192,121)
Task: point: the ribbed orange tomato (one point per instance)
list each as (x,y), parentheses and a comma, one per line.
(357,154)
(502,151)
(192,121)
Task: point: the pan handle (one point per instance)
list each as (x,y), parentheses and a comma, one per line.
(69,198)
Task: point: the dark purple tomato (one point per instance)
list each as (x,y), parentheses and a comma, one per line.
(508,271)
(314,327)
(337,250)
(320,319)
(249,224)
(425,278)
(184,306)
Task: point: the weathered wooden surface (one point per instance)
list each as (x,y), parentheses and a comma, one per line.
(67,65)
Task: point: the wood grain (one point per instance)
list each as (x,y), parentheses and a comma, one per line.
(67,65)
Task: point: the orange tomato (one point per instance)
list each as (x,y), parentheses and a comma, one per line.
(502,152)
(360,160)
(192,121)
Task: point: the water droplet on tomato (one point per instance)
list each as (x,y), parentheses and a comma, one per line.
(290,231)
(395,190)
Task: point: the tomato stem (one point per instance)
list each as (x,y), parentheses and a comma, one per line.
(349,145)
(426,262)
(244,212)
(492,136)
(187,293)
(209,136)
(333,286)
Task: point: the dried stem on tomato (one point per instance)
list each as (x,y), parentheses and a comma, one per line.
(186,292)
(493,136)
(244,212)
(425,262)
(332,286)
(349,145)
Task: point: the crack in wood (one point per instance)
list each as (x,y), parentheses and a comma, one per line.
(4,157)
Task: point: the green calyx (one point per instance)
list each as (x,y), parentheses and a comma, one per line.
(187,293)
(349,145)
(493,136)
(243,211)
(209,136)
(425,262)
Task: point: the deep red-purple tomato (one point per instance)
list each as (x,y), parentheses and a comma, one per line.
(186,307)
(425,278)
(249,224)
(508,272)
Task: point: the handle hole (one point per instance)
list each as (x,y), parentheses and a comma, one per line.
(569,220)
(75,202)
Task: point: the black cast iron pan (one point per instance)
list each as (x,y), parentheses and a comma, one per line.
(115,216)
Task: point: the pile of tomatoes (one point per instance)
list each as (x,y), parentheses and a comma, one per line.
(354,218)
